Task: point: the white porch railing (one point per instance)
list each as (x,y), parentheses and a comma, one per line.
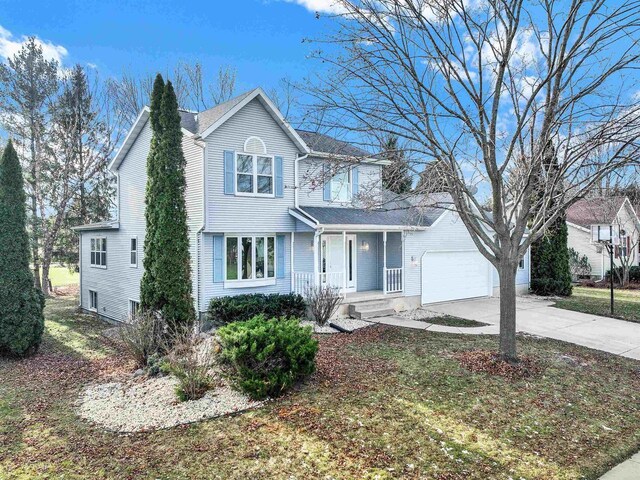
(303,280)
(393,281)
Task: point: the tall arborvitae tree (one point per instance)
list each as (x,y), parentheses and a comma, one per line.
(148,290)
(550,271)
(167,238)
(21,303)
(395,176)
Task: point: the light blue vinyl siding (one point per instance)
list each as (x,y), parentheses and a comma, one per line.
(119,282)
(314,192)
(248,214)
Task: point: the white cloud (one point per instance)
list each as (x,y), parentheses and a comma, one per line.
(10,45)
(321,6)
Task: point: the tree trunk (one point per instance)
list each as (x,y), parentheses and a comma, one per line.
(35,227)
(507,275)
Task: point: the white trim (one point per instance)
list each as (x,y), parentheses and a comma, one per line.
(439,219)
(579,227)
(132,135)
(369,228)
(253,281)
(90,308)
(249,283)
(338,156)
(106,256)
(137,250)
(308,219)
(271,108)
(131,300)
(252,137)
(255,175)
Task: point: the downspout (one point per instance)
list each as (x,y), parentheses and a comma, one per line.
(296,183)
(197,141)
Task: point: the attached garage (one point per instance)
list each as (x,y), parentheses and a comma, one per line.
(455,275)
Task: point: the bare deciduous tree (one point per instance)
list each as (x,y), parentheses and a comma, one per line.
(130,93)
(483,88)
(28,84)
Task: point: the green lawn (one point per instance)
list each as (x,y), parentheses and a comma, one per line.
(597,302)
(62,276)
(385,403)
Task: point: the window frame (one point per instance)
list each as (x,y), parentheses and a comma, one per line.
(131,311)
(92,251)
(132,251)
(349,199)
(93,305)
(253,281)
(255,175)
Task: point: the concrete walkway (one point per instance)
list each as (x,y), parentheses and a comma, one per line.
(539,317)
(398,321)
(629,470)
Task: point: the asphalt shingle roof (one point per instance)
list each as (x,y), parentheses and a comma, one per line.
(319,142)
(590,211)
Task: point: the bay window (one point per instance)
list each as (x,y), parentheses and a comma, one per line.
(254,174)
(250,257)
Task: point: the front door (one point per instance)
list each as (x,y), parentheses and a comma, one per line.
(334,264)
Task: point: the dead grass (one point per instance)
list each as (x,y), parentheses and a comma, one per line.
(384,403)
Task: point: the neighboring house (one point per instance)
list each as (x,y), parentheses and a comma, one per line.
(616,213)
(268,212)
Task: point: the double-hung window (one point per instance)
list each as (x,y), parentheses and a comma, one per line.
(133,256)
(99,252)
(250,258)
(341,187)
(254,174)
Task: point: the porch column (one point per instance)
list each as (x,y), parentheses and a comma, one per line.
(293,241)
(402,272)
(316,239)
(344,261)
(384,262)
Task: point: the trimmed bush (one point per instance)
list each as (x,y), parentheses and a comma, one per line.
(239,308)
(264,358)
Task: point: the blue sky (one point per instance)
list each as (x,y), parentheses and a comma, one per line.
(261,38)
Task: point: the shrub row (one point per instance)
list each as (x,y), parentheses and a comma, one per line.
(224,310)
(634,273)
(266,357)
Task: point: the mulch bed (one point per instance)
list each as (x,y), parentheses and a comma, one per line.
(489,362)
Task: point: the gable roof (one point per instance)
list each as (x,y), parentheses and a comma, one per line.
(395,212)
(590,211)
(321,143)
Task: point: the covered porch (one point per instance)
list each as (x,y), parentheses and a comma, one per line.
(359,263)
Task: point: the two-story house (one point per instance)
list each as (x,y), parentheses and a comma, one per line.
(613,216)
(274,210)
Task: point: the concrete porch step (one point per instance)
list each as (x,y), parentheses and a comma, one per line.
(366,314)
(371,309)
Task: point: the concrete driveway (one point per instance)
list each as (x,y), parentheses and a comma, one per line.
(539,317)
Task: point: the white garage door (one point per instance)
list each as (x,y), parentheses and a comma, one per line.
(454,276)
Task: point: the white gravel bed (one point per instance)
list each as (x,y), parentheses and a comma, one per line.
(318,328)
(419,314)
(346,323)
(351,323)
(151,403)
